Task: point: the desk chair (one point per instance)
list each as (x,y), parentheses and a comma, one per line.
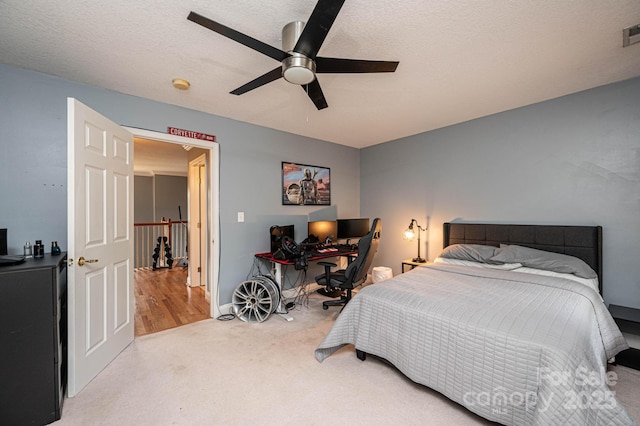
(355,274)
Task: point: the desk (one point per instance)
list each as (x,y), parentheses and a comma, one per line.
(312,256)
(276,265)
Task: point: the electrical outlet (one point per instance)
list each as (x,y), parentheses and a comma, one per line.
(631,35)
(240,216)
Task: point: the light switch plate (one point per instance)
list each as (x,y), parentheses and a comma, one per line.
(240,216)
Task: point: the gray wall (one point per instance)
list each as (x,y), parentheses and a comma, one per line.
(171,192)
(159,196)
(33,152)
(572,160)
(143,199)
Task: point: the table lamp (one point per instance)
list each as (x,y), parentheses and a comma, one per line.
(409,234)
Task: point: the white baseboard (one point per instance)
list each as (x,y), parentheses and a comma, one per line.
(290,292)
(227,308)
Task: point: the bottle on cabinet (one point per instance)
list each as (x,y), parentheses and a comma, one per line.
(38,249)
(55,249)
(28,250)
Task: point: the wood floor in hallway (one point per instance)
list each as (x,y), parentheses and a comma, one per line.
(163,300)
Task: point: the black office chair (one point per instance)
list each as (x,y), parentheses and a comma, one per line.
(356,272)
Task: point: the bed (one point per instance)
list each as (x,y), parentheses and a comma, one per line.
(509,323)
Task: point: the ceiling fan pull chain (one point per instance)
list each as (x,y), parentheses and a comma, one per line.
(306,108)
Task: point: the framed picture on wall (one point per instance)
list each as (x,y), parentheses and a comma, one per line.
(303,184)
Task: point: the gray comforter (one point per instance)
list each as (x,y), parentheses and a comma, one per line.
(512,347)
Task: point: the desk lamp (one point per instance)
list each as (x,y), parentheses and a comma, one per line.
(409,234)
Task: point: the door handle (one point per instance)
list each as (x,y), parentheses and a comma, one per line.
(82,261)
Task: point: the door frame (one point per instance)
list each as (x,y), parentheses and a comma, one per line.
(213,202)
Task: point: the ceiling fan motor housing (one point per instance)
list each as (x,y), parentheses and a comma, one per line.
(297,68)
(290,35)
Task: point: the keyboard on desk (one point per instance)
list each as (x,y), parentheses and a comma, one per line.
(336,250)
(325,250)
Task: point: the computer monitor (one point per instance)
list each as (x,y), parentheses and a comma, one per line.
(276,233)
(323,229)
(352,228)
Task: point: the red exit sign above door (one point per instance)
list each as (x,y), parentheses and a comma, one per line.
(190,134)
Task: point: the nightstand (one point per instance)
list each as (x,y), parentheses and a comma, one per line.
(628,319)
(412,264)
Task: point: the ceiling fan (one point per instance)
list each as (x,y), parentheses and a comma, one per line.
(300,45)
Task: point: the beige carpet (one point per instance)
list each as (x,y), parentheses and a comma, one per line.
(236,373)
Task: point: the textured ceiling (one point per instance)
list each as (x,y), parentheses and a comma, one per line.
(158,158)
(459,60)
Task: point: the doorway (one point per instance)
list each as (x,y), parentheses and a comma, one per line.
(211,224)
(171,194)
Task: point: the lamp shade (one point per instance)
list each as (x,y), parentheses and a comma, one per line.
(409,234)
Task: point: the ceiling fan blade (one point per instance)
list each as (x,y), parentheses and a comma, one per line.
(315,94)
(234,35)
(337,65)
(317,27)
(272,75)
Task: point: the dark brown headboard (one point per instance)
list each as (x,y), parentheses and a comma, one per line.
(583,242)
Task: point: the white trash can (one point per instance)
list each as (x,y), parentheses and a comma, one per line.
(381,273)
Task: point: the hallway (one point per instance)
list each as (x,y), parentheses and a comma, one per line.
(164,301)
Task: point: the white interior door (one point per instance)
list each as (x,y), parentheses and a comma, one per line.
(195,223)
(202,172)
(100,231)
(198,221)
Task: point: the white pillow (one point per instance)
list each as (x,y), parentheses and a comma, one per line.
(589,282)
(504,266)
(517,267)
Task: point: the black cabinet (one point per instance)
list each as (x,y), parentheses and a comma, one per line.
(33,340)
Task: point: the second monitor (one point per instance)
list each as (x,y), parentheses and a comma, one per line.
(330,231)
(352,228)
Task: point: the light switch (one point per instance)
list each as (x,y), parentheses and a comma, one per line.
(240,216)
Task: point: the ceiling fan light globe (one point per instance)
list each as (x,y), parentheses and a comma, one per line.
(299,70)
(299,75)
